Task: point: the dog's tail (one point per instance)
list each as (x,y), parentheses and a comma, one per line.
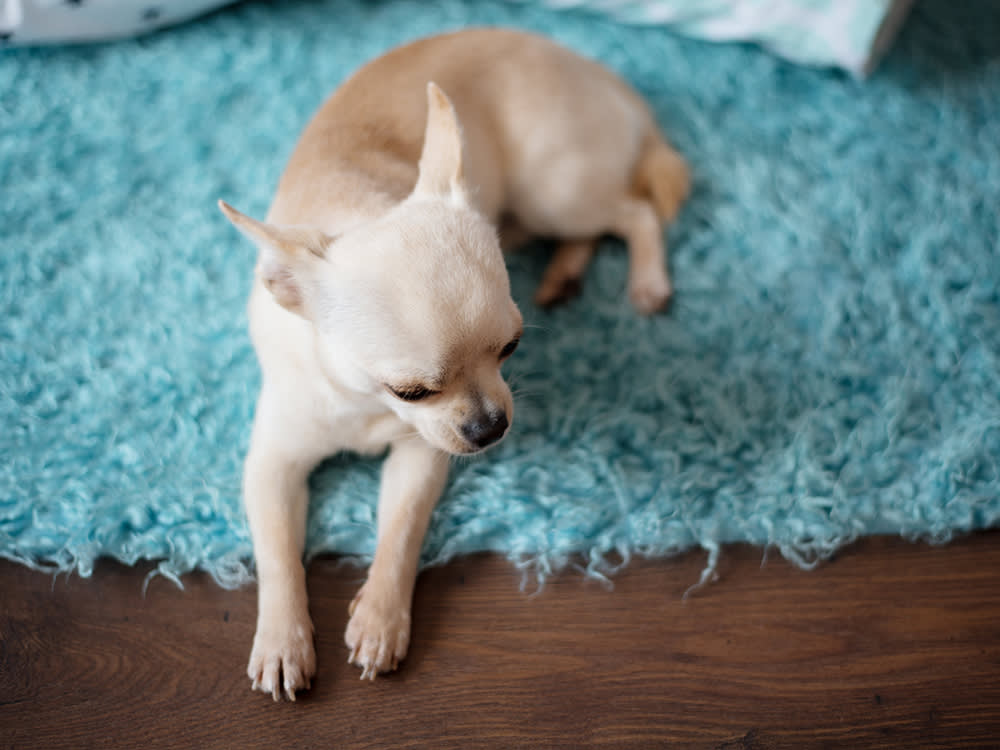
(662,175)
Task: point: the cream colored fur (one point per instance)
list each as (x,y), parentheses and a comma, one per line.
(381,311)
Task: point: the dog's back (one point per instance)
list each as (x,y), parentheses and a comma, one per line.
(550,137)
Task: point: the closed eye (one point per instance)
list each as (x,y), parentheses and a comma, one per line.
(412,392)
(509,349)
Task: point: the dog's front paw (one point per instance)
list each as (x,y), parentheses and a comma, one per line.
(378,632)
(650,293)
(283,657)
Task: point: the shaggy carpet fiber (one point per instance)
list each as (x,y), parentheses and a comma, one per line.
(829,369)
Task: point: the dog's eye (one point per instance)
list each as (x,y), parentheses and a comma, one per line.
(412,393)
(509,349)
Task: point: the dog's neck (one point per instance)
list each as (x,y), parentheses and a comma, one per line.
(385,181)
(353,189)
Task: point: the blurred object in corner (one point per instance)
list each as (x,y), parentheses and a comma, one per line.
(31,22)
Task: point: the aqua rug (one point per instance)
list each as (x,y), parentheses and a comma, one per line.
(830,368)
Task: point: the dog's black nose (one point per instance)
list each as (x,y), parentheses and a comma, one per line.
(485,429)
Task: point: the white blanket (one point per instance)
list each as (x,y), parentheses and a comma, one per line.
(850,34)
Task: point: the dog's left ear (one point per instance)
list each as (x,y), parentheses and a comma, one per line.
(287,259)
(441,172)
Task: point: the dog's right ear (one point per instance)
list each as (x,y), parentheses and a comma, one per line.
(441,170)
(287,259)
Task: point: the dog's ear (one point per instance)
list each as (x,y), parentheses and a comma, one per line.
(441,158)
(287,259)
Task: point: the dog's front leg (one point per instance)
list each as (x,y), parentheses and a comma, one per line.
(276,496)
(378,632)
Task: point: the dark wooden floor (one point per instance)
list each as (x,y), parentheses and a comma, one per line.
(889,645)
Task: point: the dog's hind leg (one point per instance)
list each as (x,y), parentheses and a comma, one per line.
(563,276)
(649,285)
(661,183)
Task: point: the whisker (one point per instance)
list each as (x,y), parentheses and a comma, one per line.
(527,396)
(526,373)
(538,327)
(514,382)
(466,458)
(407,436)
(522,391)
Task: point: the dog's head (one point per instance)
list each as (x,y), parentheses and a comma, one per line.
(412,309)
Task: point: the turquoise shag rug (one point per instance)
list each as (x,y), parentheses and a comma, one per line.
(830,369)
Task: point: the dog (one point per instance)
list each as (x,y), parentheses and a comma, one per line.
(381,311)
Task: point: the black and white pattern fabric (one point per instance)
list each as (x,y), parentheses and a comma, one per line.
(28,22)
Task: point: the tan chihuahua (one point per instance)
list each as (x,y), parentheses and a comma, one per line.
(381,311)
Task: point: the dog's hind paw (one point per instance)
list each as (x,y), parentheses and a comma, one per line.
(283,659)
(650,293)
(378,633)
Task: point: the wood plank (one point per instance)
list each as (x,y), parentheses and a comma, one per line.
(890,645)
